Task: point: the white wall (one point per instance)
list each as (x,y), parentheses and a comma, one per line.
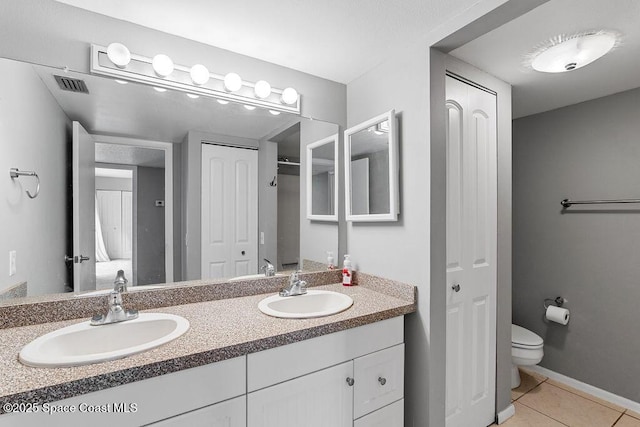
(34,135)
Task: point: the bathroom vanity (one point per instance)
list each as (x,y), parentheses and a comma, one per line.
(235,367)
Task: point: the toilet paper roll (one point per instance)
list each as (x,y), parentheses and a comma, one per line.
(557,314)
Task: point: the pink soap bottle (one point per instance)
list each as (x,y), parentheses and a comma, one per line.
(347,272)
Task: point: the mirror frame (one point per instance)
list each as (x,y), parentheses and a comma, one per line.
(309,173)
(394,190)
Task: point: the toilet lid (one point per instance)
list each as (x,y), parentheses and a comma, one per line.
(524,337)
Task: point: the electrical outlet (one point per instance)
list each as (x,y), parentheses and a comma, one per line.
(262,237)
(12,263)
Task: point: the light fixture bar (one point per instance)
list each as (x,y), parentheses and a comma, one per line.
(140,70)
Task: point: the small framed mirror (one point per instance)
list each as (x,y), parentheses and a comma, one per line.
(371,170)
(322,179)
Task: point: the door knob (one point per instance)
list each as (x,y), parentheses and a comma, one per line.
(456,287)
(83,258)
(68,258)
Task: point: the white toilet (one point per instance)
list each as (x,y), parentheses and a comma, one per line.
(526,350)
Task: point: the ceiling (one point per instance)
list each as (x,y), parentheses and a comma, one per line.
(335,39)
(138,111)
(129,155)
(503,52)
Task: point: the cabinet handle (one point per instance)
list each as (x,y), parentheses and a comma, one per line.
(350,381)
(382,380)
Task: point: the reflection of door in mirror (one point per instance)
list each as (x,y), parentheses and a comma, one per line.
(229,211)
(370,191)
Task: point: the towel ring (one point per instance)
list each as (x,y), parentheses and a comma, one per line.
(16,173)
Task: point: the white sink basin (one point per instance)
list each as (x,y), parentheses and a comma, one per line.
(83,344)
(106,291)
(311,304)
(253,276)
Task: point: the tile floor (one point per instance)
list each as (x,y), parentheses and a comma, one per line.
(542,402)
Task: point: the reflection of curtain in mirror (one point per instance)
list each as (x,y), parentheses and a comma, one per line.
(101,250)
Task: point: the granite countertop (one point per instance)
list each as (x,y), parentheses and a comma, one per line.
(219,330)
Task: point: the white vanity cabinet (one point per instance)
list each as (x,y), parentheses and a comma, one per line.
(231,413)
(330,380)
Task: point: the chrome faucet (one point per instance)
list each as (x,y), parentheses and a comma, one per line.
(296,286)
(116,312)
(269,269)
(120,284)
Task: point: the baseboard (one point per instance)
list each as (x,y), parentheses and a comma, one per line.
(506,413)
(595,391)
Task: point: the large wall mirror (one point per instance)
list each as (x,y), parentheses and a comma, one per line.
(122,168)
(322,179)
(371,170)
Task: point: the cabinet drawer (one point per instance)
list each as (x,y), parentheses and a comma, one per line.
(232,413)
(379,380)
(389,416)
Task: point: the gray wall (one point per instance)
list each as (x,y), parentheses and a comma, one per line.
(267,202)
(288,219)
(318,237)
(588,255)
(34,135)
(116,184)
(150,231)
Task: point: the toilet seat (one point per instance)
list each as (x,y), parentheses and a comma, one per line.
(525,339)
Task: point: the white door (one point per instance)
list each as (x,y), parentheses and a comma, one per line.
(471,255)
(84,209)
(360,186)
(321,399)
(229,211)
(127,224)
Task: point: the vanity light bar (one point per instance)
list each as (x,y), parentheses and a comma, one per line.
(140,69)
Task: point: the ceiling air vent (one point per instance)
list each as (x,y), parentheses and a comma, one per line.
(71,85)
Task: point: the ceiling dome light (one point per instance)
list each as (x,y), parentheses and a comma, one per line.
(193,96)
(232,82)
(250,107)
(119,54)
(162,65)
(222,102)
(289,96)
(199,74)
(274,112)
(573,52)
(262,89)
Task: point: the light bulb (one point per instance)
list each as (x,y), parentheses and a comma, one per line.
(274,112)
(193,96)
(199,74)
(232,82)
(250,107)
(162,65)
(222,101)
(289,96)
(118,54)
(262,89)
(574,53)
(159,89)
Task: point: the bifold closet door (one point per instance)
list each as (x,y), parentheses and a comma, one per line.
(471,255)
(229,211)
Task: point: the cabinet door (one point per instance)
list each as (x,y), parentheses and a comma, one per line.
(389,416)
(379,379)
(321,399)
(231,413)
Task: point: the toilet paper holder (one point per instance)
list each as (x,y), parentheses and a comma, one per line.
(558,301)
